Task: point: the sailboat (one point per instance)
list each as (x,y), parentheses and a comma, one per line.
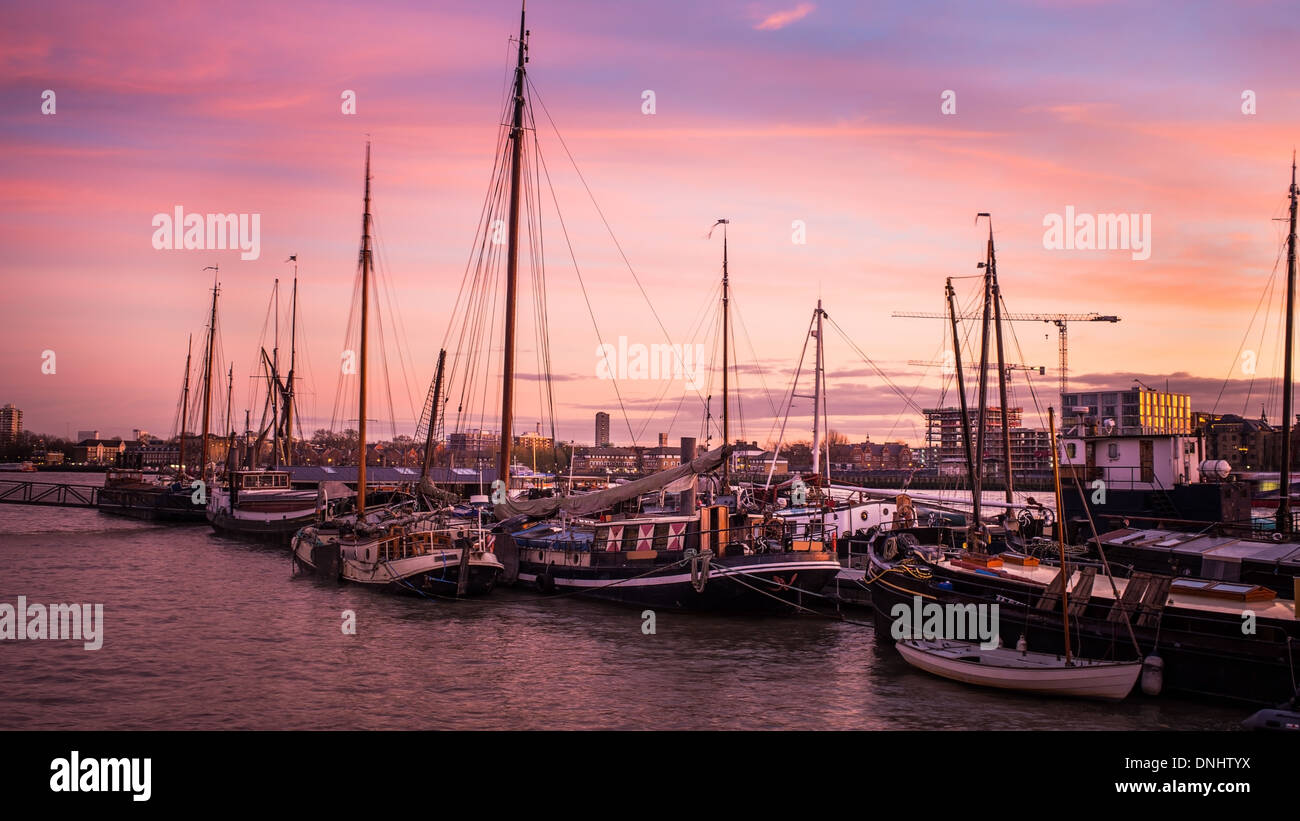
(719,557)
(825,507)
(129,493)
(260,503)
(601,544)
(1006,668)
(393,547)
(1186,632)
(1001,667)
(1019,669)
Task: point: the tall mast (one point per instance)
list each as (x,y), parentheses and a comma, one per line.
(961,384)
(978,489)
(817,396)
(429,440)
(185,399)
(288,385)
(273,378)
(1284,500)
(512,259)
(365,307)
(726,362)
(1002,368)
(1060,534)
(207,374)
(230,439)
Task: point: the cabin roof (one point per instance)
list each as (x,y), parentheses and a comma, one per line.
(315,474)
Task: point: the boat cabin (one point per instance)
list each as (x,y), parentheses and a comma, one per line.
(120,477)
(259,480)
(242,481)
(1133,462)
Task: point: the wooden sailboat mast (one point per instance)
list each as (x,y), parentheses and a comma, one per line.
(961,384)
(977,489)
(273,377)
(365,307)
(512,259)
(207,374)
(185,399)
(726,310)
(230,438)
(1002,367)
(1284,497)
(288,384)
(1060,533)
(817,398)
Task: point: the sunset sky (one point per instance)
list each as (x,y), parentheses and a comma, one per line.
(765,113)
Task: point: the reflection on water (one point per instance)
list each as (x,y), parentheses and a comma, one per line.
(206,632)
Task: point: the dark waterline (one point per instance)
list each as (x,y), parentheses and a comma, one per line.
(202,632)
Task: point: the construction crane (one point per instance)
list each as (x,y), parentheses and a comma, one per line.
(1061,321)
(1041,369)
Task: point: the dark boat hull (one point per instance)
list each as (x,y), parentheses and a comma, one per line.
(444,582)
(1202,658)
(279,531)
(765,583)
(152,505)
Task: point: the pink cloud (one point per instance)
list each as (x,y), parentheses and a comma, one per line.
(781,19)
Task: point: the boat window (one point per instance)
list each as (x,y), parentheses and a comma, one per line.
(1234,588)
(1223,590)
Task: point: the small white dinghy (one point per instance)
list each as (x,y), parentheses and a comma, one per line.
(1028,672)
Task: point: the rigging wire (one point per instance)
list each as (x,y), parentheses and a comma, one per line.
(654,312)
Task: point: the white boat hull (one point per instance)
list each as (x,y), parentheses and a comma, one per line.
(1009,669)
(359,562)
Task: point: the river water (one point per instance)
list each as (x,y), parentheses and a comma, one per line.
(203,632)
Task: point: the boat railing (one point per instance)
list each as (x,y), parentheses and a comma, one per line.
(1266,528)
(399,544)
(1116,477)
(654,540)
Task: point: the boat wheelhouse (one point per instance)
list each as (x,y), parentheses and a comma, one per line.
(261,504)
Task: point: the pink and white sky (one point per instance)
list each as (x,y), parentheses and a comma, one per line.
(765,113)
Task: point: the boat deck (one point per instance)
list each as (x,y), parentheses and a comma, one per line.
(1280,609)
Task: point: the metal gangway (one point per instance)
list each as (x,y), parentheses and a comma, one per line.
(49,494)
